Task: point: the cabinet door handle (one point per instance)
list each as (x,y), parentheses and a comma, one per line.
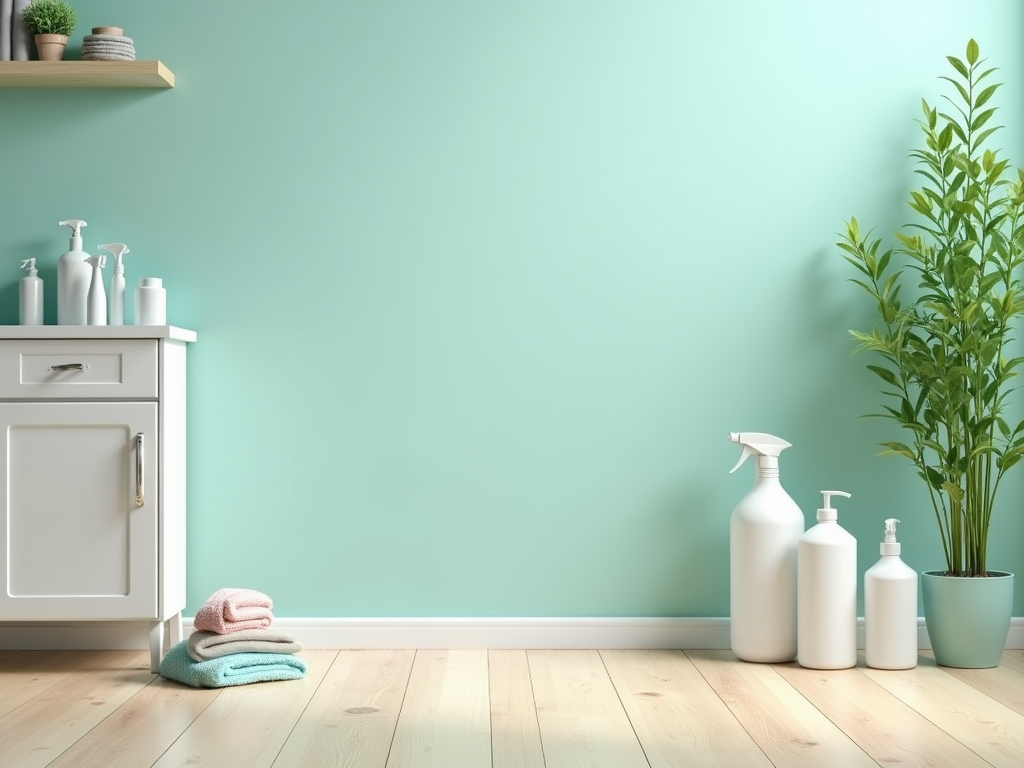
(70,367)
(140,499)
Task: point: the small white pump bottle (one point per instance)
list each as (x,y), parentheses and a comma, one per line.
(763,533)
(97,297)
(73,278)
(31,295)
(827,593)
(115,302)
(890,608)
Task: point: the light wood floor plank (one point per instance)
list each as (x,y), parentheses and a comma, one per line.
(351,719)
(37,732)
(445,719)
(787,727)
(582,721)
(678,718)
(246,725)
(1004,683)
(515,732)
(990,729)
(884,727)
(141,730)
(4,655)
(26,674)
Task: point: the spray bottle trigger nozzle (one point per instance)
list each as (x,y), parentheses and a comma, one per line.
(30,265)
(747,450)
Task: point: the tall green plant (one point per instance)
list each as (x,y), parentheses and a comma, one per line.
(949,297)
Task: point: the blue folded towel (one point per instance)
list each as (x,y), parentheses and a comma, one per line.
(232,669)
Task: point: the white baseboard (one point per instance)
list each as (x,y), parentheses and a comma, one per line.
(529,633)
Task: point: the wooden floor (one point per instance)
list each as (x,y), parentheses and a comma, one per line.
(509,709)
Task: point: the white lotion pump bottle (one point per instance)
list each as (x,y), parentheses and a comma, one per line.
(890,608)
(31,295)
(115,303)
(763,533)
(73,278)
(827,593)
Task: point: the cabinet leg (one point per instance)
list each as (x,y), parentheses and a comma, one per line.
(156,646)
(174,623)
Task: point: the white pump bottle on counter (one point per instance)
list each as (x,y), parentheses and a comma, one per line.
(827,593)
(73,279)
(763,533)
(890,608)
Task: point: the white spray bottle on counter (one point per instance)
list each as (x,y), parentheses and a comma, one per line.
(31,295)
(827,592)
(116,299)
(97,298)
(763,533)
(890,608)
(73,278)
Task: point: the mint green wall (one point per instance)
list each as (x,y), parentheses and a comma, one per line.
(481,287)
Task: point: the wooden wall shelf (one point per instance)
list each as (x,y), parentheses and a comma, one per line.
(85,74)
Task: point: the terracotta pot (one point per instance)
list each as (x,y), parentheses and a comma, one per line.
(51,47)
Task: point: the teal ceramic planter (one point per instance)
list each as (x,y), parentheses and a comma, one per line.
(968,619)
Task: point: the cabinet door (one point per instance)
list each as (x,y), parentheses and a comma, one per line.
(77,541)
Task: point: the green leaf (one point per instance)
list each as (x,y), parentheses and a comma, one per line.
(972,52)
(980,119)
(985,95)
(958,66)
(884,374)
(946,138)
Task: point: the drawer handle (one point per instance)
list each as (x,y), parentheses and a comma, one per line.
(140,499)
(70,367)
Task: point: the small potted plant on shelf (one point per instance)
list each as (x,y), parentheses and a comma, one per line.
(949,298)
(51,21)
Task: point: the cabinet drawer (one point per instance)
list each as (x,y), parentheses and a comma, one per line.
(83,369)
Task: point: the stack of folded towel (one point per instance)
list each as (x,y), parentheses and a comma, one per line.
(234,644)
(108,47)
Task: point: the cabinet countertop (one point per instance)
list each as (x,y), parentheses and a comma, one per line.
(97,332)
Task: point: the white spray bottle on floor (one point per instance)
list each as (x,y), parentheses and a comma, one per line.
(763,534)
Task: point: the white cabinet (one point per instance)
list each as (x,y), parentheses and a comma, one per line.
(92,467)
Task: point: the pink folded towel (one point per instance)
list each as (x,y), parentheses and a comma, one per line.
(232,610)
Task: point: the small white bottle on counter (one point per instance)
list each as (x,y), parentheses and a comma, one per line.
(151,302)
(890,608)
(31,295)
(96,304)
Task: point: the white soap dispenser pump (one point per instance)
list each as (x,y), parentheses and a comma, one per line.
(73,278)
(31,295)
(117,289)
(827,593)
(763,533)
(97,298)
(890,608)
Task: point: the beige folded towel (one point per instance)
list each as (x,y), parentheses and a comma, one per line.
(204,645)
